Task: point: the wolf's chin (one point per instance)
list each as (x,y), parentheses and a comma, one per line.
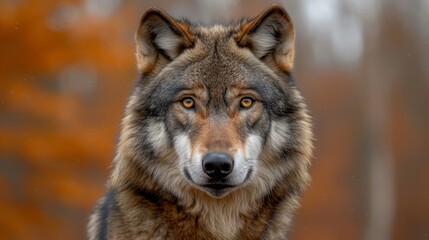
(218,192)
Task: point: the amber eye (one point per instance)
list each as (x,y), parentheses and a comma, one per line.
(246,102)
(187,102)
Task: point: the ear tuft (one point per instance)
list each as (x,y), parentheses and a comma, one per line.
(270,36)
(160,39)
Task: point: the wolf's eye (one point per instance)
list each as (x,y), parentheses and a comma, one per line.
(246,102)
(187,102)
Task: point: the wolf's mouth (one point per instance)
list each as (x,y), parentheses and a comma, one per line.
(218,186)
(213,185)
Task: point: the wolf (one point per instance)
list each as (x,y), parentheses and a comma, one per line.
(216,138)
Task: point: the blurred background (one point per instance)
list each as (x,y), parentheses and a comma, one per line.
(67,67)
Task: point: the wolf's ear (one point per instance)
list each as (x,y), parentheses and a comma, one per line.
(270,36)
(160,39)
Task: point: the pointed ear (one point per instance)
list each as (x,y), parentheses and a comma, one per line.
(270,36)
(160,39)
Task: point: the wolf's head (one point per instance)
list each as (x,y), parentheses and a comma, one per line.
(216,108)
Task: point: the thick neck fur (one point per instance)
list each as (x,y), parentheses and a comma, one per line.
(239,215)
(223,218)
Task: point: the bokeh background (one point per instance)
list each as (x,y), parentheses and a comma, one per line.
(67,68)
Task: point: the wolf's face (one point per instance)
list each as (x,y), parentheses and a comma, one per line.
(219,121)
(218,99)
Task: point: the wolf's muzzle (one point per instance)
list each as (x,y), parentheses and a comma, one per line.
(218,165)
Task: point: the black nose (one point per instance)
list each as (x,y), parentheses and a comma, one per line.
(217,165)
